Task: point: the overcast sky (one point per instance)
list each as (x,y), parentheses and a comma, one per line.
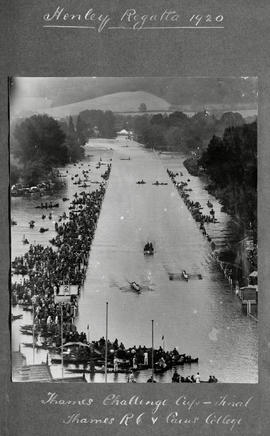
(55,91)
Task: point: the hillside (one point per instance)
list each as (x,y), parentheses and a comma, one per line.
(117,102)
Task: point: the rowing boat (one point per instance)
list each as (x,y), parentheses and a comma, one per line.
(135,286)
(185,275)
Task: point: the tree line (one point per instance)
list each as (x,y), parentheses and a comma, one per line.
(178,132)
(230,162)
(40,143)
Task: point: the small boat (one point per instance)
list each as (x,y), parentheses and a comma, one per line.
(28,333)
(209,204)
(160,369)
(157,183)
(25,240)
(31,224)
(148,252)
(97,371)
(65,199)
(212,379)
(135,286)
(148,249)
(13,223)
(47,206)
(42,230)
(185,275)
(141,182)
(14,317)
(186,359)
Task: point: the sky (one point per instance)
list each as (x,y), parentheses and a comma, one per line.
(38,92)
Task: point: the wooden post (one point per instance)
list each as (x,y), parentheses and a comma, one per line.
(106,344)
(152,349)
(62,339)
(33,332)
(88,333)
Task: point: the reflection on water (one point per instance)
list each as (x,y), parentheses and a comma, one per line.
(200,317)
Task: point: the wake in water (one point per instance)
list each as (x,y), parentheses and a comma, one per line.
(128,286)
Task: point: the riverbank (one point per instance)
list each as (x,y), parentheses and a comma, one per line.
(192,166)
(230,261)
(47,271)
(242,257)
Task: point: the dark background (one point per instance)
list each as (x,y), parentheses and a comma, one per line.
(241,49)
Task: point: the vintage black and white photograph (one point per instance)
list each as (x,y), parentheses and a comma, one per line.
(133,229)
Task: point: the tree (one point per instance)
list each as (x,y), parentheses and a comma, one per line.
(213,160)
(140,125)
(107,125)
(231,163)
(35,171)
(88,120)
(158,119)
(15,174)
(40,138)
(173,138)
(232,119)
(143,107)
(154,137)
(71,128)
(178,119)
(83,130)
(75,150)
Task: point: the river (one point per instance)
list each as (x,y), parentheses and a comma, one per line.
(200,317)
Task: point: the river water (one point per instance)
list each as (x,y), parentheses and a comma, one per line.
(202,318)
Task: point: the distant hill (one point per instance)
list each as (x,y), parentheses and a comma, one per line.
(117,102)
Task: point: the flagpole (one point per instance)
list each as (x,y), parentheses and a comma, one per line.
(152,349)
(62,357)
(106,344)
(88,333)
(33,331)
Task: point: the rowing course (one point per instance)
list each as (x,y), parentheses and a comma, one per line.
(200,317)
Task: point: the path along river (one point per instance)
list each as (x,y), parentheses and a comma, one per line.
(200,317)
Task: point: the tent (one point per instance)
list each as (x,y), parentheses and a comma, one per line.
(123,132)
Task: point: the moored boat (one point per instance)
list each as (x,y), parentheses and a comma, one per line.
(187,359)
(14,317)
